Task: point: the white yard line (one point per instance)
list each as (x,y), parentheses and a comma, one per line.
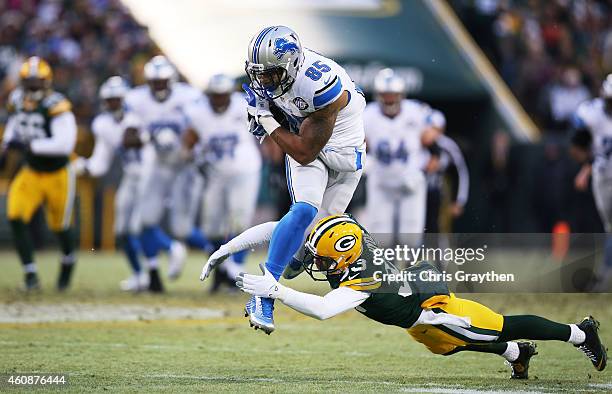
(602,386)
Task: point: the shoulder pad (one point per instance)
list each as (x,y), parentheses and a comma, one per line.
(586,111)
(97,125)
(328,91)
(187,91)
(360,276)
(56,104)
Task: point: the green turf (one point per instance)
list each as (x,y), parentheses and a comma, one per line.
(345,354)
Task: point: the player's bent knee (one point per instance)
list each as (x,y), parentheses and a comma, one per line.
(434,339)
(303,214)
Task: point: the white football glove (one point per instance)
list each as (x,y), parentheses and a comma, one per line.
(261,120)
(213,262)
(261,285)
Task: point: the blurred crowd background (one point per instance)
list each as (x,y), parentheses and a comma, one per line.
(552,54)
(85,41)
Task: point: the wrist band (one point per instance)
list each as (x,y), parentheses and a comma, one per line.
(269,124)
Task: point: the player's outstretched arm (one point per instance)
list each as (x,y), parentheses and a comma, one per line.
(254,237)
(315,131)
(333,303)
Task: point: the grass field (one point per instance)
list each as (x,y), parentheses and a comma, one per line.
(187,341)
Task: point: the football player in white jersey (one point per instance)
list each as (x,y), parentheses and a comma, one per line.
(593,120)
(396,186)
(160,104)
(111,128)
(232,163)
(324,140)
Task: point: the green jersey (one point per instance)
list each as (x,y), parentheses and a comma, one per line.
(32,120)
(395,296)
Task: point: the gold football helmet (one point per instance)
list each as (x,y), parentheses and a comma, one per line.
(333,244)
(36,76)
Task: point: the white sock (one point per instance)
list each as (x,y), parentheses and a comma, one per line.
(512,352)
(68,259)
(252,238)
(577,336)
(152,263)
(29,268)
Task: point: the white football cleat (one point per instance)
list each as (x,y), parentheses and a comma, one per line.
(262,315)
(136,282)
(176,258)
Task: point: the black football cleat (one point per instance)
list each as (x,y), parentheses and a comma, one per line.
(63,281)
(592,346)
(31,282)
(218,280)
(520,367)
(155,283)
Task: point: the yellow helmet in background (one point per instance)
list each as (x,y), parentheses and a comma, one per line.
(333,244)
(36,76)
(35,67)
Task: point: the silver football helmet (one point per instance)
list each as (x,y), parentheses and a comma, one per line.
(387,81)
(219,90)
(160,75)
(275,56)
(114,87)
(220,84)
(390,89)
(112,92)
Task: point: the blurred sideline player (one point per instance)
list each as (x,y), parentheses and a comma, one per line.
(342,252)
(324,140)
(592,142)
(160,106)
(232,165)
(447,154)
(42,126)
(112,129)
(396,188)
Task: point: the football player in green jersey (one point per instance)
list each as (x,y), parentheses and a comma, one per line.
(42,126)
(343,251)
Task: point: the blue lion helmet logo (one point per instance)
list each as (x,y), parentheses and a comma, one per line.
(282,46)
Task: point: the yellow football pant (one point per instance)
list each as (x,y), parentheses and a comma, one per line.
(486,325)
(31,188)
